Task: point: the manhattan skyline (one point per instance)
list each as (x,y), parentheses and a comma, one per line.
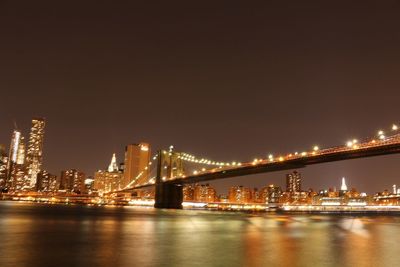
(232,84)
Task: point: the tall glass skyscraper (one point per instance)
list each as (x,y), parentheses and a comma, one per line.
(34,157)
(16,162)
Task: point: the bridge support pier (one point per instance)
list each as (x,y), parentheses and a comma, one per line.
(168,196)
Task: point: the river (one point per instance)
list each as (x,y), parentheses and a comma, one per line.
(41,235)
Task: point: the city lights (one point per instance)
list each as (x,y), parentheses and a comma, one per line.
(107,181)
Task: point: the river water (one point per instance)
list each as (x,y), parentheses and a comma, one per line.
(71,235)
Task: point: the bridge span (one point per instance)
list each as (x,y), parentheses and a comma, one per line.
(169,192)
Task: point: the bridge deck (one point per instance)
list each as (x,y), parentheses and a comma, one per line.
(324,156)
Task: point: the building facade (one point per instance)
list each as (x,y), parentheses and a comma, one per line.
(188,193)
(16,167)
(3,167)
(272,194)
(46,182)
(293,182)
(110,179)
(204,193)
(137,158)
(73,181)
(240,194)
(34,156)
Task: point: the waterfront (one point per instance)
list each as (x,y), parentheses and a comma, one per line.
(74,235)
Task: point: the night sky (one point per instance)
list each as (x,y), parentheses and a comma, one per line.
(219,79)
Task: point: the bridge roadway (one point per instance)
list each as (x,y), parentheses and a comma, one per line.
(294,162)
(169,193)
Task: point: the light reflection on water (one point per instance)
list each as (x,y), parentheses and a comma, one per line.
(50,235)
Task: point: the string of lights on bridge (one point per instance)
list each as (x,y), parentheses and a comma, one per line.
(351,144)
(316,150)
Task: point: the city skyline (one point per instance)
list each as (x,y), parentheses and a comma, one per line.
(245,81)
(199,133)
(138,149)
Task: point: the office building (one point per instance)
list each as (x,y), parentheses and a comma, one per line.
(271,194)
(3,167)
(293,182)
(110,179)
(188,192)
(73,181)
(16,168)
(137,158)
(46,182)
(240,194)
(204,193)
(34,156)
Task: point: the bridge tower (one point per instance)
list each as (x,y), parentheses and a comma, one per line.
(168,195)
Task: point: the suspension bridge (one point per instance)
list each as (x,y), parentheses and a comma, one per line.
(171,175)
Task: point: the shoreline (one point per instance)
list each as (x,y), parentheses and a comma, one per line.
(395,211)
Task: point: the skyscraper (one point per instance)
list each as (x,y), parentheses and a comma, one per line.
(137,157)
(106,181)
(16,179)
(293,182)
(3,166)
(343,187)
(113,165)
(34,155)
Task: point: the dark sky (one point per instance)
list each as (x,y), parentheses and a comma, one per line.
(220,79)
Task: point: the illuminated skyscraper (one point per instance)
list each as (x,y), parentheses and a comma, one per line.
(106,181)
(3,166)
(293,182)
(34,155)
(16,178)
(137,157)
(343,187)
(113,165)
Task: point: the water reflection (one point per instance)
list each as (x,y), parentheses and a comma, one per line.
(40,235)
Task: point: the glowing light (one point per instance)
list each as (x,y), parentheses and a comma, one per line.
(395,127)
(281,159)
(315,148)
(304,154)
(349,144)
